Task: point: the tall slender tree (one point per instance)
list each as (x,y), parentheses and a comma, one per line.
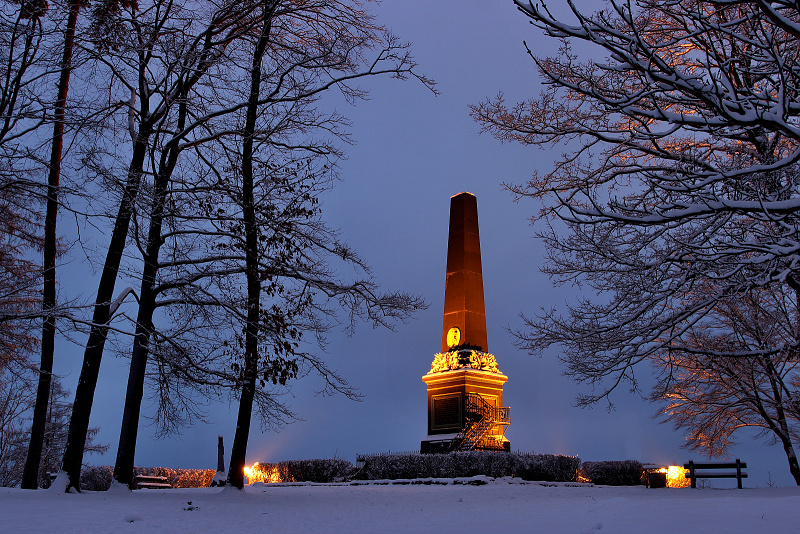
(37,9)
(253,274)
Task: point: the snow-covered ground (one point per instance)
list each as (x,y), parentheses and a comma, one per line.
(502,505)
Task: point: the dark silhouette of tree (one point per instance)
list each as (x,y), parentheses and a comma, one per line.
(317,48)
(217,191)
(17,400)
(678,191)
(35,10)
(21,79)
(156,70)
(712,396)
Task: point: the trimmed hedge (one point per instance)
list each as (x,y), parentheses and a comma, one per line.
(545,467)
(527,466)
(317,470)
(622,473)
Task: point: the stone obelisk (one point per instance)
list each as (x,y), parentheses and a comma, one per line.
(463,291)
(465,386)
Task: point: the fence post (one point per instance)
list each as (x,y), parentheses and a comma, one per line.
(739,473)
(220,455)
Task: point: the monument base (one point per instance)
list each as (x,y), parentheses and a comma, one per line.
(465,404)
(441,444)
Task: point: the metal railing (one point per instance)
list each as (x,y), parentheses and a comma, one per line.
(480,417)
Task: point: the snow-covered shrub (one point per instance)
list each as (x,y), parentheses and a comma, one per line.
(269,473)
(394,466)
(623,473)
(471,463)
(194,478)
(547,467)
(96,477)
(318,470)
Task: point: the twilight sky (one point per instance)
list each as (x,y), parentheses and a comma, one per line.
(414,150)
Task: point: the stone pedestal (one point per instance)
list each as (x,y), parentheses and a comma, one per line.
(454,378)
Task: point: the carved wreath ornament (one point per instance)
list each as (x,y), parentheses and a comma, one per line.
(464,359)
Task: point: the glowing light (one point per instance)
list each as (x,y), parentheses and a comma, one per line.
(463,359)
(265,473)
(676,476)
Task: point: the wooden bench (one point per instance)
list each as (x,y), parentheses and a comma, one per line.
(150,482)
(706,468)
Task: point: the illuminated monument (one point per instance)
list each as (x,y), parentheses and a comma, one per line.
(465,387)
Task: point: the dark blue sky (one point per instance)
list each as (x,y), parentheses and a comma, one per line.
(414,150)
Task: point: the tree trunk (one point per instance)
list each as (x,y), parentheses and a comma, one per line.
(126,451)
(239,449)
(84,393)
(791,457)
(30,475)
(782,427)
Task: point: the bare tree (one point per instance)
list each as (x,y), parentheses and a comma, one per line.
(165,48)
(283,253)
(20,114)
(713,396)
(315,48)
(16,398)
(679,188)
(24,71)
(17,401)
(34,10)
